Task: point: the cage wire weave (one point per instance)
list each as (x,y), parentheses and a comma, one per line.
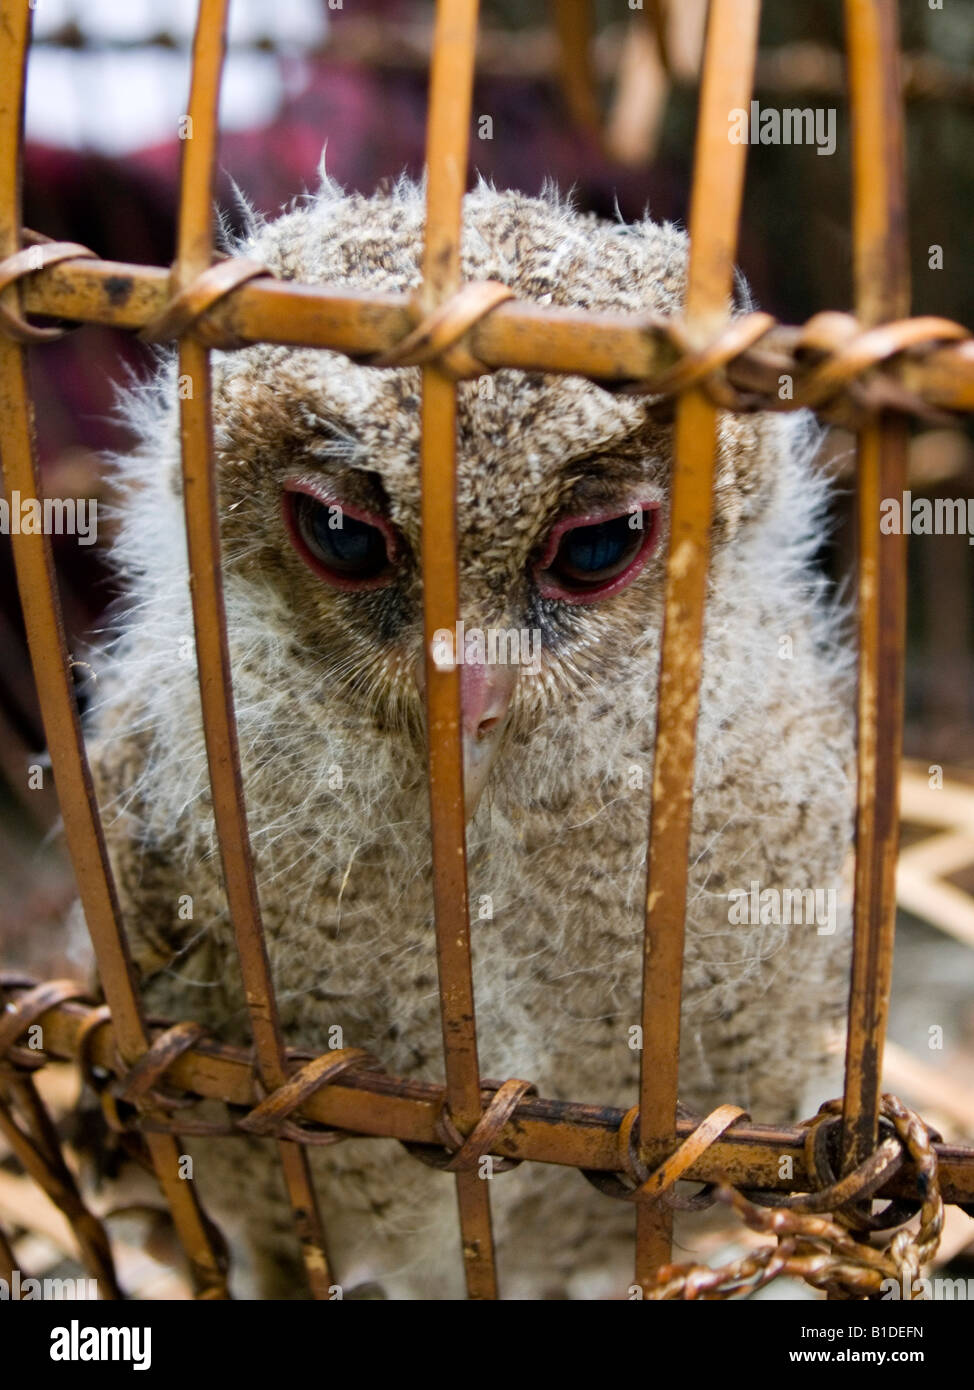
(871,370)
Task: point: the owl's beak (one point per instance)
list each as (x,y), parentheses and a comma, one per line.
(486,692)
(485,703)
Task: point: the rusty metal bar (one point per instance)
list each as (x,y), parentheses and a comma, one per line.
(7,1258)
(882,290)
(543,1131)
(657,14)
(578,66)
(194,255)
(451,87)
(608,347)
(38,1150)
(718,182)
(51,663)
(574,23)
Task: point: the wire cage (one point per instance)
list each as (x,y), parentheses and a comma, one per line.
(871,370)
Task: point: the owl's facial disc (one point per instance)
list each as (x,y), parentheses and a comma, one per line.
(588,550)
(588,558)
(346,546)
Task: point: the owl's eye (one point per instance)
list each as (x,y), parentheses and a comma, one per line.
(346,547)
(588,558)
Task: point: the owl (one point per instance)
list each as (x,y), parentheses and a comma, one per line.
(563,500)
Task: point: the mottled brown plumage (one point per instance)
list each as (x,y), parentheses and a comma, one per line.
(331,736)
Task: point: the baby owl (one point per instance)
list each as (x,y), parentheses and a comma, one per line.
(563,514)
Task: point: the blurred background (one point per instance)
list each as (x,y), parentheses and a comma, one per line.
(578,94)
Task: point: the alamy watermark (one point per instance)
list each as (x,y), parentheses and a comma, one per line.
(77,1343)
(938,1288)
(756,906)
(21,1288)
(50,516)
(793,125)
(925,516)
(492,646)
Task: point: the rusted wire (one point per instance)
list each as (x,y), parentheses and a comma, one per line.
(638,1184)
(37,253)
(440,338)
(27,1127)
(270,1116)
(461,1154)
(188,311)
(820,1250)
(369,1101)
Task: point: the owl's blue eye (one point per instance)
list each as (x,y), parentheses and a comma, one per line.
(347,550)
(591,558)
(588,550)
(349,545)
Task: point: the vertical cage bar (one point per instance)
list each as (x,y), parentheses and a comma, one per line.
(451,88)
(882,291)
(50,660)
(7,1264)
(657,14)
(718,182)
(38,1149)
(200,499)
(574,22)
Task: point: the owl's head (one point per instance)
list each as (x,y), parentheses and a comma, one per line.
(562,487)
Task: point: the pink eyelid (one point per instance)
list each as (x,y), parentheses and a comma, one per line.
(298,485)
(619,581)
